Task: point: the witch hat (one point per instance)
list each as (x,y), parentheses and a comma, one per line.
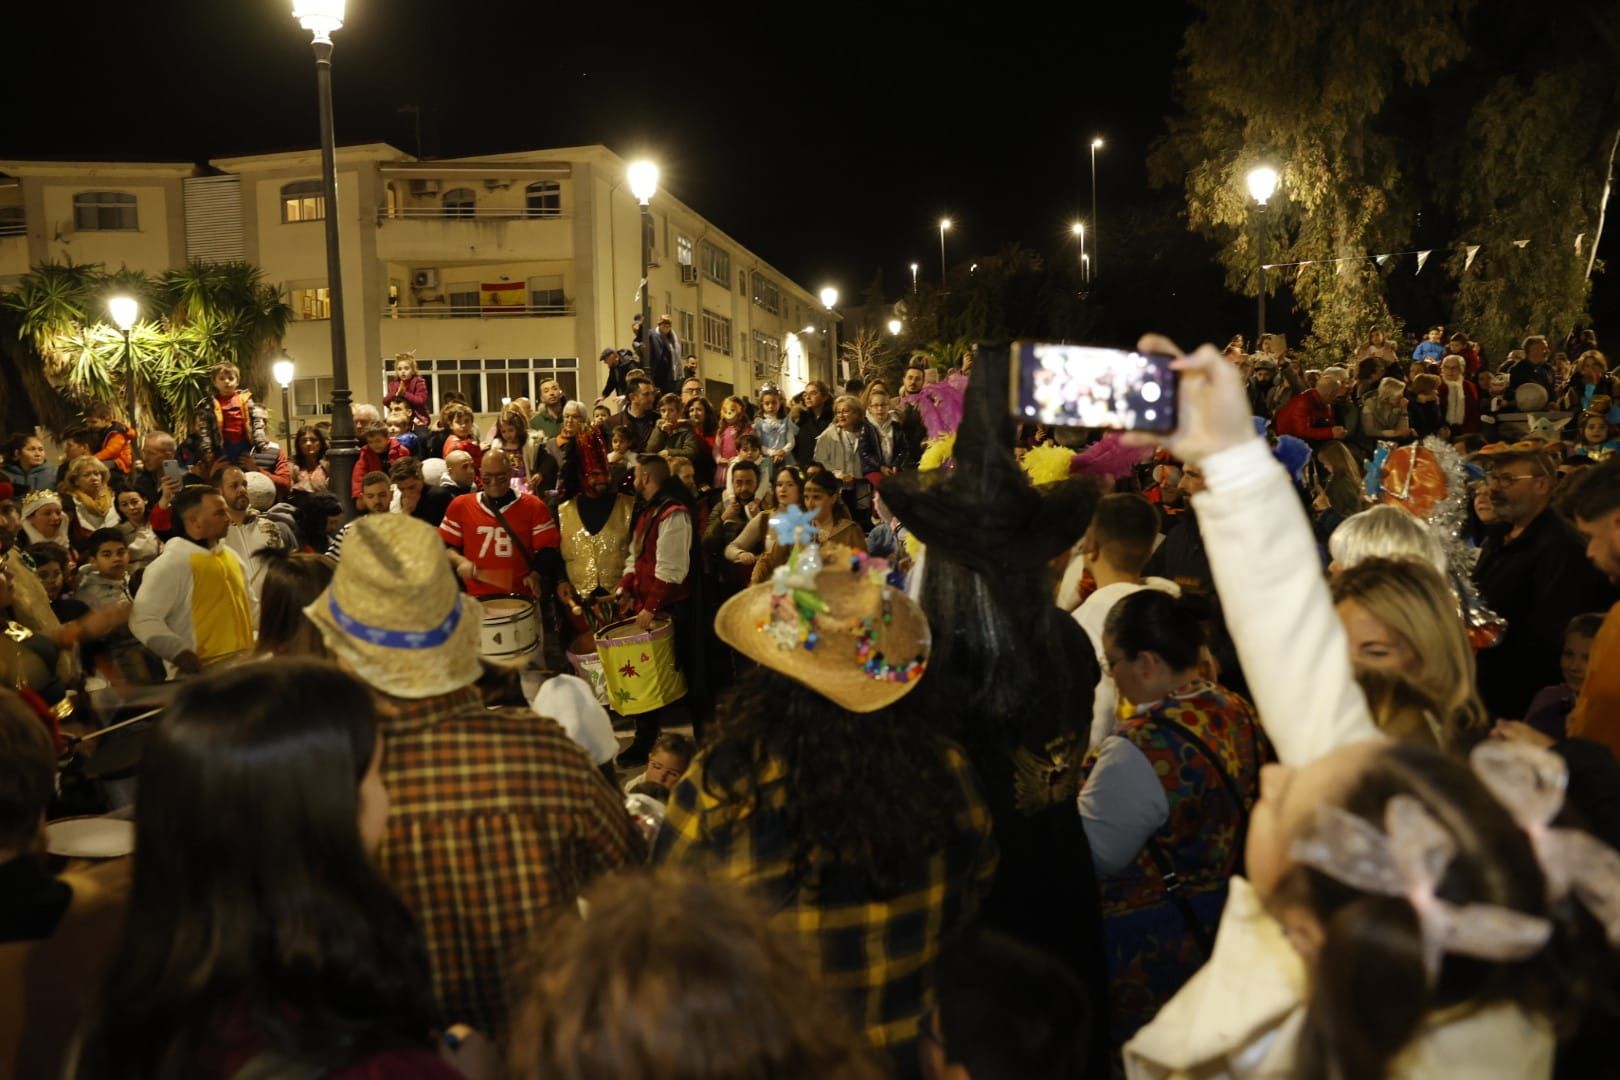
(984,512)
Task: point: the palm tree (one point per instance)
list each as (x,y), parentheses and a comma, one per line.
(68,356)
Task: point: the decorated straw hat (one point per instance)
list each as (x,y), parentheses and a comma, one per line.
(394,613)
(836,621)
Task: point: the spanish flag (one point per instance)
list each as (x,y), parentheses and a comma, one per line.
(496,296)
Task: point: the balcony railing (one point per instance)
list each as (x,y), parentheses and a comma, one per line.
(470,213)
(13,228)
(476,311)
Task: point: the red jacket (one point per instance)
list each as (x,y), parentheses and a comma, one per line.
(370,462)
(1470,423)
(1306,417)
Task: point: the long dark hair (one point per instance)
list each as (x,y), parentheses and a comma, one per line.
(256,919)
(862,791)
(313,514)
(292,581)
(1370,993)
(297,446)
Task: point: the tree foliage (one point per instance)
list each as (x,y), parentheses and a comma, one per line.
(1303,87)
(191,319)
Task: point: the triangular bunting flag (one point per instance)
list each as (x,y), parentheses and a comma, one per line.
(1301,271)
(1381,259)
(1423,257)
(1521,244)
(1578,238)
(1472,250)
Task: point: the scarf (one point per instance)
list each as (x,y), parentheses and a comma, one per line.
(1456,402)
(98,508)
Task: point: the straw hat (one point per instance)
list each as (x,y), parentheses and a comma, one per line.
(394,613)
(841,628)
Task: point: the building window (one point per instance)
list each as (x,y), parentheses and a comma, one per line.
(312,396)
(767,355)
(686,327)
(12,221)
(683,250)
(546,293)
(543,198)
(466,301)
(104,210)
(310,301)
(303,201)
(716,333)
(766,294)
(484,382)
(459,202)
(717,265)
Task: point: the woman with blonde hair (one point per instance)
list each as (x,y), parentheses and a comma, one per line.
(91,502)
(1400,614)
(1384,416)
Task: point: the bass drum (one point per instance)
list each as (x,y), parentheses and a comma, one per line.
(509,631)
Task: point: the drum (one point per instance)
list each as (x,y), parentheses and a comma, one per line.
(90,837)
(581,653)
(509,631)
(639,666)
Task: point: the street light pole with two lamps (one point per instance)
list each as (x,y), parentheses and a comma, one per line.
(1262,181)
(124,311)
(323,18)
(1078,230)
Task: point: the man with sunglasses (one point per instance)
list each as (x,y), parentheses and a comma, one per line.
(1533,572)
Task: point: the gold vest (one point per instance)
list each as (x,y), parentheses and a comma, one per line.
(595,561)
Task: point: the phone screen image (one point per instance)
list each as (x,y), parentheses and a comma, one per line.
(1091,387)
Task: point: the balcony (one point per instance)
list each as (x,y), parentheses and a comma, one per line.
(472,234)
(478,311)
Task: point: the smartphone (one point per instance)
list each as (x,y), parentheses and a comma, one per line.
(173,471)
(1090,386)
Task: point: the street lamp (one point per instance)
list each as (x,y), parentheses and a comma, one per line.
(944,223)
(914,277)
(323,18)
(1096,144)
(1262,181)
(829,300)
(1078,229)
(282,370)
(123,310)
(895,326)
(643,178)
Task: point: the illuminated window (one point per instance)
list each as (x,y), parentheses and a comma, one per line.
(303,201)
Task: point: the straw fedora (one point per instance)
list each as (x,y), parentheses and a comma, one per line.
(851,636)
(394,613)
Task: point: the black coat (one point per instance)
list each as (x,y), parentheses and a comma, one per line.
(903,453)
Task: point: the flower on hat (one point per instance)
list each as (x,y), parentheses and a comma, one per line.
(35,500)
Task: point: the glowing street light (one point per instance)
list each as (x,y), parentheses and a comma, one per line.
(1262,183)
(829,297)
(1096,145)
(895,326)
(124,310)
(1078,230)
(944,224)
(282,372)
(913,277)
(643,178)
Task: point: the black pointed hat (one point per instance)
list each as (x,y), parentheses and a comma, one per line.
(984,512)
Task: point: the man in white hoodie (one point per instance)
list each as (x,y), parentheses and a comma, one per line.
(1117,546)
(194,606)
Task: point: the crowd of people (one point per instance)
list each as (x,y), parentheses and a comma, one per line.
(1284,745)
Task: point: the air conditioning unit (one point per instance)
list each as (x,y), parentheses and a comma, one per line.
(424,187)
(424,279)
(689,275)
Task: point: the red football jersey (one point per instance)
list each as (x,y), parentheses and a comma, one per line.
(472,529)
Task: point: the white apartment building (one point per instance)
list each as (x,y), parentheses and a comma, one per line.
(496,271)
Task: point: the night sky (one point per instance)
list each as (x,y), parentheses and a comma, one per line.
(830,141)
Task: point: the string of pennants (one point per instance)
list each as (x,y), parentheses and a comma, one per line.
(1469,252)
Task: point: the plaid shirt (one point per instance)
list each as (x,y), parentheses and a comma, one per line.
(494,817)
(877,951)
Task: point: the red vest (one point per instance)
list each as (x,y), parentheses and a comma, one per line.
(651,593)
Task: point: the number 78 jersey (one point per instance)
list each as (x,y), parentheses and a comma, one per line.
(472,528)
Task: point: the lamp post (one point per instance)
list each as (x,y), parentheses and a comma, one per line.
(123,310)
(1262,180)
(1096,144)
(323,18)
(895,326)
(643,178)
(829,299)
(944,224)
(1078,230)
(282,370)
(914,277)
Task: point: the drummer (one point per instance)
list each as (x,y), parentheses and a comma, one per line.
(595,527)
(500,542)
(658,582)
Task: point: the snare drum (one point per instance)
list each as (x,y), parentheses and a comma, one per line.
(581,653)
(90,837)
(639,666)
(509,630)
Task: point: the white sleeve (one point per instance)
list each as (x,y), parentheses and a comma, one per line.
(1122,806)
(1068,597)
(166,587)
(674,555)
(1278,609)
